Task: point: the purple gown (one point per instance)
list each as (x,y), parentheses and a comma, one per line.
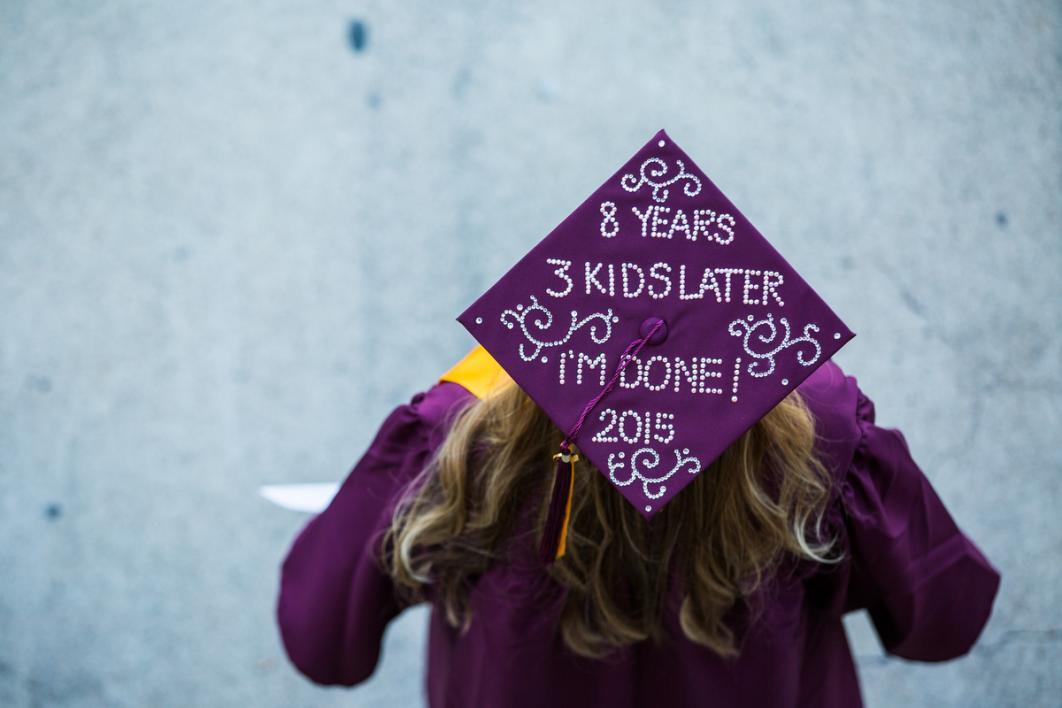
(927,587)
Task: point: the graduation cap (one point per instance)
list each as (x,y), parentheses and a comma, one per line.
(654,326)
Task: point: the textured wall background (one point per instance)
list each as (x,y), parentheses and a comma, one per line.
(230,242)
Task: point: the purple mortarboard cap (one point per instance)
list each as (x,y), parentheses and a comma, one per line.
(656,250)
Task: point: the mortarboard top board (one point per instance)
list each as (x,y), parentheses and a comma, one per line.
(656,250)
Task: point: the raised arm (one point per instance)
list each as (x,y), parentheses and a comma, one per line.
(334,601)
(929,590)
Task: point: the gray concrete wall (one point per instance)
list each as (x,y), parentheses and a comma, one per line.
(229,243)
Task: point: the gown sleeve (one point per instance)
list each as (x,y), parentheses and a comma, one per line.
(335,601)
(928,589)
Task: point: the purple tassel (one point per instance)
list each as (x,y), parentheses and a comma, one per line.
(556,518)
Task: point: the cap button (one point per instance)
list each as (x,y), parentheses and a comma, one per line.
(647,327)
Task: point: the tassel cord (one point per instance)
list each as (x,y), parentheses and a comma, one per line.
(555,534)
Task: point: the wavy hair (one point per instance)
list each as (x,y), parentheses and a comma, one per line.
(725,534)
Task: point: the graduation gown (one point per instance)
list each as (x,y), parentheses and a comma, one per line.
(928,589)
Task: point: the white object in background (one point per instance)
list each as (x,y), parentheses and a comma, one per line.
(311,498)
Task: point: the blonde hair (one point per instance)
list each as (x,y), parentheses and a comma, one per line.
(727,533)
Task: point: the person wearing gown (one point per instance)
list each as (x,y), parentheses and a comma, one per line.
(927,588)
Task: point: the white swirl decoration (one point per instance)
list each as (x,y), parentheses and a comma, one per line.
(537,317)
(652,173)
(767,333)
(683,460)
